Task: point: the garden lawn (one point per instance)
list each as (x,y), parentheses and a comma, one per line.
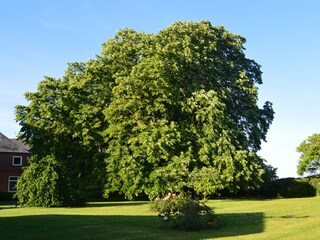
(242,219)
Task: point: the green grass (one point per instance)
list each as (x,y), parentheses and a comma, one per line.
(242,219)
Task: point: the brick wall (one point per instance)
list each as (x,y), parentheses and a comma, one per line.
(7,169)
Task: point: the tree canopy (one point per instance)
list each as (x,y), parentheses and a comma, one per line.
(309,161)
(167,112)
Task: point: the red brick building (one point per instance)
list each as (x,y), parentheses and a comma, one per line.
(13,156)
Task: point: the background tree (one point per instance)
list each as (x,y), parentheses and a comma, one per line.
(309,161)
(64,119)
(168,112)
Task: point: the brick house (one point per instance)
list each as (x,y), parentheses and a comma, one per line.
(13,156)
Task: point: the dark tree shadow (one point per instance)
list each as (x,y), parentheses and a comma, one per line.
(289,216)
(120,227)
(115,204)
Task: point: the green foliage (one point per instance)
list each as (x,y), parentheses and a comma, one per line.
(270,174)
(185,213)
(266,190)
(46,183)
(39,183)
(289,188)
(314,181)
(184,112)
(167,112)
(310,155)
(64,120)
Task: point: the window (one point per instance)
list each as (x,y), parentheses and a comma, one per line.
(16,161)
(12,183)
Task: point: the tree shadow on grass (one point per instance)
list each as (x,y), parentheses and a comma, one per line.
(115,204)
(120,227)
(12,204)
(237,224)
(289,216)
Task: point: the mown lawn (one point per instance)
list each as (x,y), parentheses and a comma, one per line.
(242,219)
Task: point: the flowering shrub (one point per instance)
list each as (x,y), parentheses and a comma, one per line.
(185,213)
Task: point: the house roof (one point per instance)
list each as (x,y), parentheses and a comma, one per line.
(12,145)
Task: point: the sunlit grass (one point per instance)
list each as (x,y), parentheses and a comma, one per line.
(242,219)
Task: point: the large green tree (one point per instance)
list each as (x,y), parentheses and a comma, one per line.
(172,111)
(309,162)
(184,112)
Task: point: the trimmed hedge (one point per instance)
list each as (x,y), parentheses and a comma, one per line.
(292,188)
(281,188)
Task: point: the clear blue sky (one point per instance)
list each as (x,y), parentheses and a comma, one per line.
(39,37)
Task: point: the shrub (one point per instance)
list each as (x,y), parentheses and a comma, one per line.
(45,183)
(185,213)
